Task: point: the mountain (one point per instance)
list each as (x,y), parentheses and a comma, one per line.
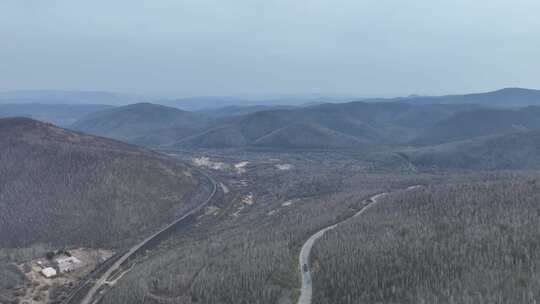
(58,114)
(509,97)
(418,121)
(481,122)
(519,150)
(201,103)
(139,121)
(66,188)
(240,110)
(343,125)
(69,97)
(306,136)
(205,103)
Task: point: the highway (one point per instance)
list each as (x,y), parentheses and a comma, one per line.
(306,290)
(102,280)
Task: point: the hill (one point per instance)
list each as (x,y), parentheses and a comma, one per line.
(508,97)
(344,125)
(462,242)
(132,122)
(481,122)
(66,188)
(519,150)
(305,136)
(240,110)
(209,103)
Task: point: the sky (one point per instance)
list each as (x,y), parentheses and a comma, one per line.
(238,47)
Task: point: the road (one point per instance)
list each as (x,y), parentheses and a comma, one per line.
(102,280)
(306,290)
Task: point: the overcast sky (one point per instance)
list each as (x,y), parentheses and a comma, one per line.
(203,47)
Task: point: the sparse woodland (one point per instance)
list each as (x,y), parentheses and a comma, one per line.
(56,191)
(254,262)
(63,189)
(252,258)
(267,152)
(463,238)
(461,243)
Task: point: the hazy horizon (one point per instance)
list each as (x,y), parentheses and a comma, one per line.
(70,96)
(246,48)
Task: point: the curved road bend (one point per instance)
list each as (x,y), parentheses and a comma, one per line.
(103,279)
(306,290)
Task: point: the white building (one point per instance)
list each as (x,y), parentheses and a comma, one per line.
(48,272)
(68,264)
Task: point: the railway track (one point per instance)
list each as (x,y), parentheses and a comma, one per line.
(93,285)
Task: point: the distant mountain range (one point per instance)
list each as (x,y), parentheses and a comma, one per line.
(201,103)
(195,103)
(240,110)
(417,121)
(347,125)
(58,114)
(139,120)
(509,97)
(69,97)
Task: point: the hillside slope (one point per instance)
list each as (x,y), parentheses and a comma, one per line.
(508,97)
(66,188)
(132,122)
(240,110)
(307,136)
(481,122)
(519,150)
(431,120)
(471,242)
(324,126)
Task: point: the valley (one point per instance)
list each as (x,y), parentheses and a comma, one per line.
(269,152)
(270,206)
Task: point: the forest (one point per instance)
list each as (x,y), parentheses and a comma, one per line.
(251,256)
(269,152)
(448,243)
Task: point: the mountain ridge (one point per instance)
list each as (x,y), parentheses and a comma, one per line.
(76,189)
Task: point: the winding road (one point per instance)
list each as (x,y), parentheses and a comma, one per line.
(306,290)
(103,279)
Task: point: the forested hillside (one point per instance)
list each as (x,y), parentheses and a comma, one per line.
(66,188)
(519,150)
(370,123)
(136,121)
(480,122)
(335,126)
(461,243)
